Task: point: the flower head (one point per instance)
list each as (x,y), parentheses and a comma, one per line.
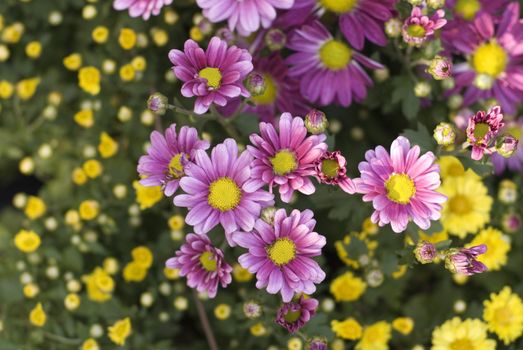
(202,263)
(444,134)
(506,146)
(316,122)
(503,314)
(349,329)
(37,316)
(144,8)
(375,336)
(419,27)
(27,241)
(330,169)
(347,287)
(157,103)
(482,130)
(167,157)
(402,185)
(440,68)
(425,252)
(120,330)
(213,76)
(295,314)
(218,190)
(464,260)
(281,254)
(462,334)
(285,158)
(498,248)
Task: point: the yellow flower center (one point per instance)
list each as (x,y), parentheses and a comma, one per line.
(503,316)
(282,251)
(283,162)
(460,205)
(175,166)
(335,55)
(208,262)
(481,130)
(292,316)
(462,344)
(212,75)
(330,167)
(417,31)
(224,194)
(515,132)
(490,59)
(338,6)
(400,188)
(269,95)
(467,8)
(456,169)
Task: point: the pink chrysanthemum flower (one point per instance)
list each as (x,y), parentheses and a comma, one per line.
(328,69)
(281,254)
(294,315)
(203,264)
(464,260)
(144,8)
(419,27)
(331,169)
(167,157)
(482,131)
(245,16)
(285,158)
(401,185)
(213,76)
(217,191)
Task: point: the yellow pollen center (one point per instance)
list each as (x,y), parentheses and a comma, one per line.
(283,162)
(224,194)
(416,31)
(208,262)
(462,344)
(460,205)
(269,95)
(490,59)
(515,132)
(292,316)
(503,316)
(213,76)
(338,6)
(335,55)
(400,188)
(175,166)
(330,167)
(481,130)
(282,251)
(467,8)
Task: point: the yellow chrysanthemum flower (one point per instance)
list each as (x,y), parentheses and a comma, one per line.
(240,274)
(160,36)
(99,285)
(111,265)
(196,34)
(73,61)
(497,248)
(375,337)
(127,38)
(90,344)
(89,80)
(13,33)
(79,176)
(258,329)
(89,209)
(6,89)
(171,274)
(133,272)
(33,49)
(450,166)
(127,72)
(100,34)
(347,287)
(31,290)
(349,329)
(84,118)
(404,325)
(457,334)
(34,208)
(147,196)
(37,316)
(25,89)
(468,206)
(72,301)
(222,311)
(92,168)
(176,222)
(107,146)
(27,241)
(119,331)
(503,314)
(142,256)
(139,63)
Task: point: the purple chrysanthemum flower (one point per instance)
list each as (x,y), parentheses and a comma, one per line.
(203,264)
(167,157)
(482,131)
(285,158)
(281,254)
(328,69)
(514,163)
(282,93)
(419,27)
(468,10)
(213,76)
(494,66)
(245,16)
(463,260)
(331,169)
(294,315)
(144,8)
(402,186)
(217,191)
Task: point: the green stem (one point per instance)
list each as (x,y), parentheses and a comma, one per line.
(205,322)
(62,340)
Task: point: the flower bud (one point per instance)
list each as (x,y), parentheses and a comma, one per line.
(393,27)
(511,222)
(444,134)
(275,39)
(316,122)
(440,68)
(507,145)
(157,103)
(425,252)
(255,84)
(422,89)
(464,261)
(508,192)
(374,278)
(435,4)
(267,215)
(316,343)
(483,82)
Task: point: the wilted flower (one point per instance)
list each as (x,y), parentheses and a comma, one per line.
(463,260)
(294,315)
(157,103)
(418,27)
(482,130)
(440,68)
(316,122)
(507,145)
(425,252)
(331,169)
(444,134)
(255,84)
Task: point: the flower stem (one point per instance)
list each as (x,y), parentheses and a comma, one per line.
(205,323)
(62,340)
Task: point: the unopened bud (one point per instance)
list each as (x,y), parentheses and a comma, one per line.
(436,4)
(444,134)
(255,84)
(275,39)
(316,122)
(425,252)
(157,103)
(267,215)
(393,27)
(440,68)
(422,89)
(507,145)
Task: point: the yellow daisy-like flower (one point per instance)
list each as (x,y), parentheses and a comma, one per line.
(258,329)
(147,196)
(33,49)
(142,256)
(119,331)
(27,241)
(349,329)
(127,38)
(111,265)
(100,34)
(171,274)
(240,274)
(79,176)
(25,89)
(504,315)
(160,36)
(470,334)
(176,222)
(450,166)
(139,63)
(84,118)
(6,89)
(37,316)
(89,210)
(497,248)
(222,311)
(375,337)
(404,325)
(73,61)
(90,344)
(433,238)
(13,33)
(93,168)
(31,290)
(35,208)
(468,206)
(72,301)
(107,146)
(347,287)
(99,285)
(196,34)
(127,72)
(89,80)
(133,272)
